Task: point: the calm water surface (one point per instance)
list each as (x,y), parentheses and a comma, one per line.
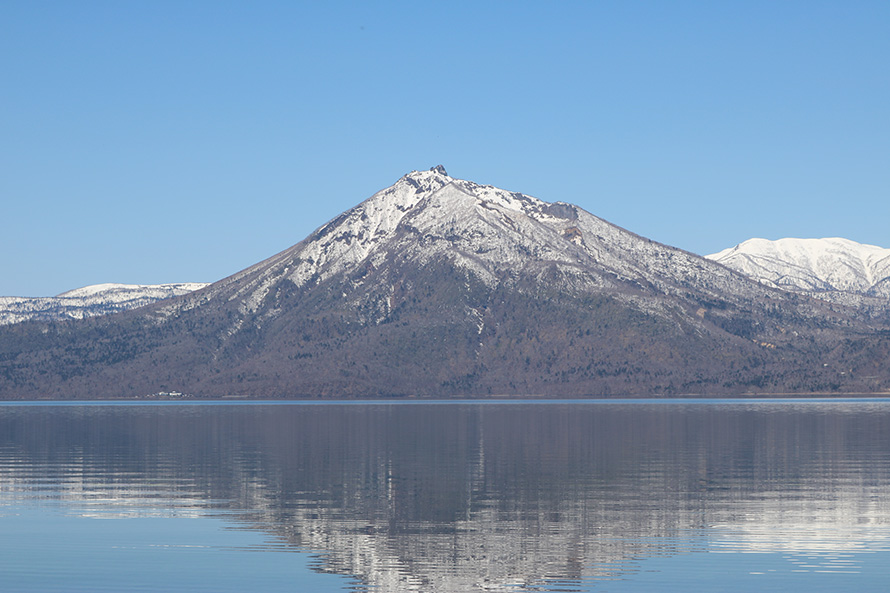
(616,497)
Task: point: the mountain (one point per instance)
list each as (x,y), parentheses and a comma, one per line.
(89,301)
(813,265)
(438,286)
(833,269)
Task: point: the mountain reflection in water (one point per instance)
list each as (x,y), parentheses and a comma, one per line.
(468,497)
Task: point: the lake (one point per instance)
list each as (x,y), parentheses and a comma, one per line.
(710,495)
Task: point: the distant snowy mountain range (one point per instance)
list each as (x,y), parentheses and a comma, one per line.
(829,268)
(89,301)
(834,269)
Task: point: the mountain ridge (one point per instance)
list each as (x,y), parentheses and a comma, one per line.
(89,301)
(441,287)
(834,270)
(828,264)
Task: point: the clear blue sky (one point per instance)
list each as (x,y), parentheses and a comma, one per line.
(149,142)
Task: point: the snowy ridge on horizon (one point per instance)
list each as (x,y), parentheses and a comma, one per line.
(90,301)
(817,266)
(115,292)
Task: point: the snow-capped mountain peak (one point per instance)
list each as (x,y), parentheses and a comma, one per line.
(353,238)
(828,264)
(489,233)
(350,238)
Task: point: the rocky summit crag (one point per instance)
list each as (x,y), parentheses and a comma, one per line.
(438,286)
